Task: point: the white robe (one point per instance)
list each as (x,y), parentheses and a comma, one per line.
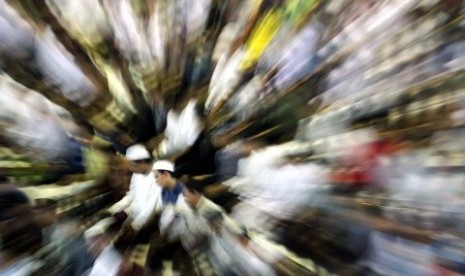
(142,199)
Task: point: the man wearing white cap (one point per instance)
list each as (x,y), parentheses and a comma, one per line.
(169,226)
(143,197)
(171,187)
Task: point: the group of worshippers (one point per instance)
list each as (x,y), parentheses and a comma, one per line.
(175,221)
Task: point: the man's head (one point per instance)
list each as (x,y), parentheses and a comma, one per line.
(192,193)
(163,171)
(139,158)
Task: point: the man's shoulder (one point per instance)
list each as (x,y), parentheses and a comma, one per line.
(206,205)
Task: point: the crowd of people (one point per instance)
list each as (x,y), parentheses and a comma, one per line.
(162,223)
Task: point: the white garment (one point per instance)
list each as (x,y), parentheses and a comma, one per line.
(16,35)
(59,68)
(107,263)
(222,255)
(142,199)
(90,27)
(169,220)
(228,255)
(194,225)
(181,129)
(128,33)
(197,15)
(225,77)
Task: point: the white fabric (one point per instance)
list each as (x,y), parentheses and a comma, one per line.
(163,165)
(169,220)
(182,129)
(137,152)
(271,186)
(145,194)
(222,255)
(223,43)
(225,76)
(142,199)
(107,263)
(89,26)
(194,225)
(99,228)
(155,34)
(16,36)
(244,102)
(197,15)
(25,122)
(59,68)
(227,254)
(128,33)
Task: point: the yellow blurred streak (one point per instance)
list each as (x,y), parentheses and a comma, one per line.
(262,35)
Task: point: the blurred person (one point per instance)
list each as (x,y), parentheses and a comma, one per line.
(22,251)
(200,206)
(110,259)
(184,237)
(171,187)
(209,227)
(143,196)
(227,161)
(183,127)
(220,256)
(229,254)
(63,237)
(167,242)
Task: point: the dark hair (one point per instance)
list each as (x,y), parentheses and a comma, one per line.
(11,197)
(29,236)
(144,161)
(165,171)
(194,186)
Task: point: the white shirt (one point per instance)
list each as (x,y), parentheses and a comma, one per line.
(142,199)
(182,129)
(169,221)
(107,263)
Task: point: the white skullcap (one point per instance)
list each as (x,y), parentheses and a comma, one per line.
(137,152)
(163,165)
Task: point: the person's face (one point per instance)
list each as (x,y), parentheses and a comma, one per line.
(162,178)
(191,198)
(139,166)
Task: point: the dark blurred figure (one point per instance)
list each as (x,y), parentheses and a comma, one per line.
(63,237)
(21,237)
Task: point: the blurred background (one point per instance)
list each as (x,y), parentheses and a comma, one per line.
(332,131)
